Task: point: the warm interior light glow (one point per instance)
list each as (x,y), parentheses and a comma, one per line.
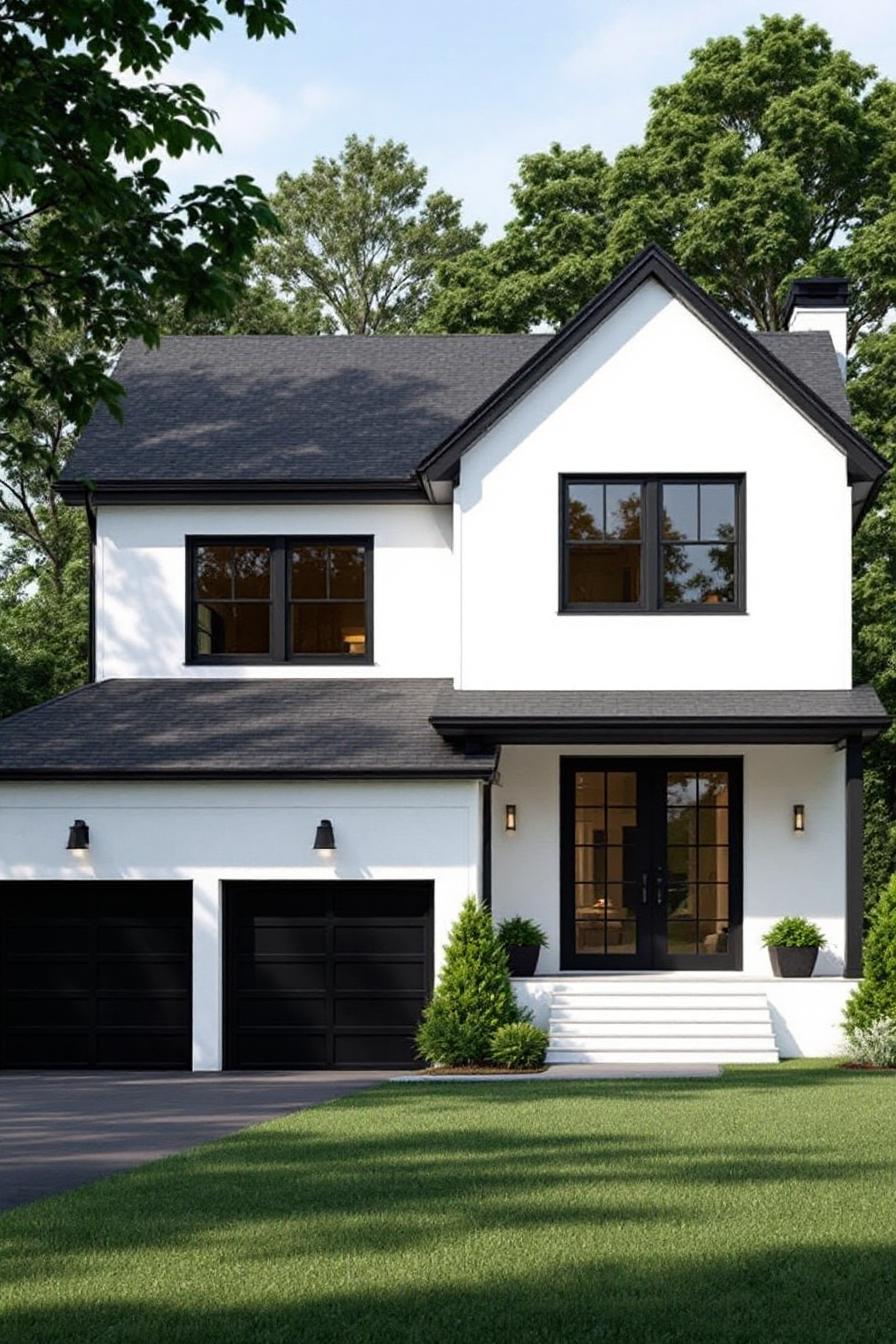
(510,817)
(799,817)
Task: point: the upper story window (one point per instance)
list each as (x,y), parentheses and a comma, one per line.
(671,543)
(276,599)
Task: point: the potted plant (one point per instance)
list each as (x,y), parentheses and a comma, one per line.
(522,939)
(793,945)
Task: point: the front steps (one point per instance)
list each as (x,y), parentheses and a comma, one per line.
(671,1019)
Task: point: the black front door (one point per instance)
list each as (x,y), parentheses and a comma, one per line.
(650,860)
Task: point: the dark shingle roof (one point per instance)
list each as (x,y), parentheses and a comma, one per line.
(326,408)
(291,407)
(793,716)
(811,356)
(190,728)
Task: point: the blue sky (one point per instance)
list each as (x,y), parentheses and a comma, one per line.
(470,85)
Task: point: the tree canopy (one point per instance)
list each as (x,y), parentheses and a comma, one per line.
(773,156)
(90,237)
(358,238)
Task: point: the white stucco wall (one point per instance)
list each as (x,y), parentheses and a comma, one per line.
(654,390)
(784,873)
(141,585)
(211,832)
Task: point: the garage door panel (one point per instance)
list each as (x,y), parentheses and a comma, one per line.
(59,1010)
(373,1051)
(280,977)
(374,940)
(278,938)
(282,1012)
(376,1012)
(142,940)
(368,956)
(131,976)
(53,937)
(289,1050)
(95,974)
(54,1049)
(143,1012)
(53,976)
(379,976)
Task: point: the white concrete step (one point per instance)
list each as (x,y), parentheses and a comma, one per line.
(647,984)
(669,1002)
(654,1056)
(671,1012)
(640,1040)
(635,1026)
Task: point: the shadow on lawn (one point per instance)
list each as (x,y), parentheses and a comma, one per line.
(301,1217)
(813,1295)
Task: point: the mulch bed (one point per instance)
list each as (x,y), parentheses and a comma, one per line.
(871,1068)
(484,1068)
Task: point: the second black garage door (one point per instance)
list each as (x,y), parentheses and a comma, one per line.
(326,974)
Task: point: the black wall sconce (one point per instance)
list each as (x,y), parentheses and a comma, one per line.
(799,818)
(78,836)
(324,839)
(510,817)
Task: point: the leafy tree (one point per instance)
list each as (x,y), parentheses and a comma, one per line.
(551,259)
(359,239)
(872,390)
(474,996)
(774,155)
(83,113)
(258,310)
(44,554)
(875,996)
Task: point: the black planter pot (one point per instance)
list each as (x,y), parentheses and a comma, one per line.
(793,961)
(522,959)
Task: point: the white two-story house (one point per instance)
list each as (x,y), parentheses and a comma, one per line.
(382,621)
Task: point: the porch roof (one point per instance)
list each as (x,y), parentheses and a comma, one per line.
(477,718)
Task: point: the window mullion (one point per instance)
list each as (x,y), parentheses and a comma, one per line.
(279,603)
(652,546)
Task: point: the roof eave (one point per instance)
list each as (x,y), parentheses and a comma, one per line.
(653,263)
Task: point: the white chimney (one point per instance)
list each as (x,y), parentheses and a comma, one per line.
(820,303)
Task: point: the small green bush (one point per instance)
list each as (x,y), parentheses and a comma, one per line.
(875,996)
(474,996)
(794,931)
(519,1045)
(519,932)
(874,1044)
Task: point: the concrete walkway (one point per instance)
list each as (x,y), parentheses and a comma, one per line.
(60,1130)
(556,1073)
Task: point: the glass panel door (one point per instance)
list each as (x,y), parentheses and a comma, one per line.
(650,860)
(694,897)
(608,868)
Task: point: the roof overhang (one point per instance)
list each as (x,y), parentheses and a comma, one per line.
(242,492)
(662,718)
(865,467)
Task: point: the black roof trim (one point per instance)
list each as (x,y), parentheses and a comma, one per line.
(242,492)
(654,263)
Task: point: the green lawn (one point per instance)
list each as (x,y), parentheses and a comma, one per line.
(759,1207)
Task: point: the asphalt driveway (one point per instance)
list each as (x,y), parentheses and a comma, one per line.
(60,1130)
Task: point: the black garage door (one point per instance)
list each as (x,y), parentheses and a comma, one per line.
(95,975)
(326,974)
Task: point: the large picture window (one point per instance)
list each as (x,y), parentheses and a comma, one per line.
(276,599)
(670,543)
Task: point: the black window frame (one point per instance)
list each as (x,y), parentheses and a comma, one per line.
(280,602)
(651,585)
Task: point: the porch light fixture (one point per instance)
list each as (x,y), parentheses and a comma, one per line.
(324,839)
(510,817)
(799,818)
(78,836)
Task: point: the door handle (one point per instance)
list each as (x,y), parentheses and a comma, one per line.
(660,886)
(645,879)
